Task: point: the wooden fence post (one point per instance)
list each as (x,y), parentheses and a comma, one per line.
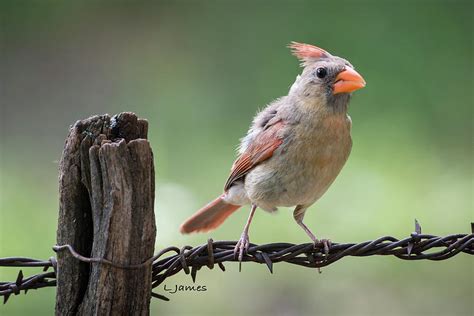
(106,186)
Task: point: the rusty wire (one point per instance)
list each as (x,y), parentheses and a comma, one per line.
(40,280)
(417,246)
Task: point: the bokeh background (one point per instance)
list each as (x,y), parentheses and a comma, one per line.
(198,71)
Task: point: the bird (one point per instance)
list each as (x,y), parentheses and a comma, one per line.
(295,147)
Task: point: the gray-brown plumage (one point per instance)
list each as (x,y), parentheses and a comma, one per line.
(294,148)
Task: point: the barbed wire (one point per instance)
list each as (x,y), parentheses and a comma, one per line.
(45,279)
(417,246)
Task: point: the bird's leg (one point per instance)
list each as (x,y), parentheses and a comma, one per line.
(243,244)
(298,215)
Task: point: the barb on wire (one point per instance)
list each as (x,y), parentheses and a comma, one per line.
(37,281)
(416,247)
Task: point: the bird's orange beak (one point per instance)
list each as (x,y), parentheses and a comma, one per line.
(347,81)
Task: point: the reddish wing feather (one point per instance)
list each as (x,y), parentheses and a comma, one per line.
(259,150)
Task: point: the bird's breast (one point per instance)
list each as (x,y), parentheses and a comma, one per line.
(306,166)
(320,152)
(325,146)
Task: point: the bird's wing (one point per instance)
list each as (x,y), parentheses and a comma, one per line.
(261,149)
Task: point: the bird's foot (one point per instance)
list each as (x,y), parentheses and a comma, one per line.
(326,243)
(242,246)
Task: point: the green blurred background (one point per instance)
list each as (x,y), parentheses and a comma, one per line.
(198,71)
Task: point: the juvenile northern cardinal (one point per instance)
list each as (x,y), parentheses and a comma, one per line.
(294,148)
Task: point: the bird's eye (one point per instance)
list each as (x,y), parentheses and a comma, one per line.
(321,72)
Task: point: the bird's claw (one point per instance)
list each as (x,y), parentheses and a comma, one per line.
(242,246)
(326,243)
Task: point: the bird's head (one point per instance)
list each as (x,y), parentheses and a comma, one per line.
(325,77)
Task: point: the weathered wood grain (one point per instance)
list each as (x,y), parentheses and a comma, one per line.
(106,180)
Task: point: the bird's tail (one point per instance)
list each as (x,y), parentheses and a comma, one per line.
(209,217)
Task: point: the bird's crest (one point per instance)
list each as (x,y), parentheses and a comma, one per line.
(307,53)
